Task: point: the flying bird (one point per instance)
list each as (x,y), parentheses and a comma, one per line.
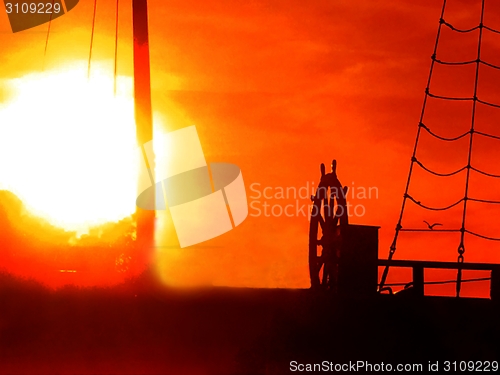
(431,227)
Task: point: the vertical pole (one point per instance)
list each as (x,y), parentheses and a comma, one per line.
(143,111)
(418,280)
(495,284)
(461,247)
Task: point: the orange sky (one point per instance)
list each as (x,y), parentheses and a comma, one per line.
(277,87)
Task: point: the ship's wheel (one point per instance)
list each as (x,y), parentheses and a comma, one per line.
(328,216)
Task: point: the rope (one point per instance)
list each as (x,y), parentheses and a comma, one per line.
(392,249)
(453,62)
(484,201)
(469,62)
(461,246)
(439,174)
(475,101)
(492,30)
(443,138)
(488,103)
(447,97)
(47,38)
(487,135)
(456,172)
(116,47)
(485,173)
(471,29)
(483,236)
(481,25)
(489,64)
(429,230)
(442,21)
(444,281)
(434,208)
(456,98)
(92,38)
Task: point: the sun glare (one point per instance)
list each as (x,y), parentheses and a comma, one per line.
(68,146)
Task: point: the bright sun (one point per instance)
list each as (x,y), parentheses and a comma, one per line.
(68,146)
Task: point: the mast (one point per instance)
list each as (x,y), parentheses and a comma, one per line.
(143,112)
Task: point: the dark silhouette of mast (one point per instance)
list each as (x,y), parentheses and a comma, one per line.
(143,111)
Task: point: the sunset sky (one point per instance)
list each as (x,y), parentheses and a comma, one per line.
(278,87)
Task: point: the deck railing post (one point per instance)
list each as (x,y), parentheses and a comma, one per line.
(418,280)
(495,284)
